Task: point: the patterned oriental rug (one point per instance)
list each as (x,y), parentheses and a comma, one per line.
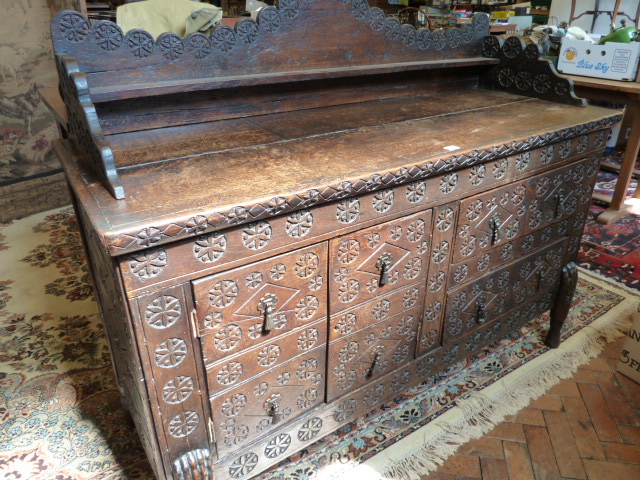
(60,415)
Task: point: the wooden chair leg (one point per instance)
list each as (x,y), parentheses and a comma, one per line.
(560,310)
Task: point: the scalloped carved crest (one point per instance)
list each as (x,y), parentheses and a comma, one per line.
(523,72)
(298,35)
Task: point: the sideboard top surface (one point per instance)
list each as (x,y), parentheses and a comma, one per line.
(324,152)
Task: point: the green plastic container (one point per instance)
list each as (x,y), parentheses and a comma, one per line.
(620,35)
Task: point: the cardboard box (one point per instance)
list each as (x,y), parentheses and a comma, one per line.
(615,61)
(629,364)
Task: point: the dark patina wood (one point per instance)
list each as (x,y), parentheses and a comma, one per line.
(276,218)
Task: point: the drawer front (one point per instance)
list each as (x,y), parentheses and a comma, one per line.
(468,269)
(556,195)
(479,302)
(253,409)
(378,259)
(232,307)
(231,371)
(502,215)
(373,339)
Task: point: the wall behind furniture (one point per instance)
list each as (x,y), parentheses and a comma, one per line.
(561,9)
(30,176)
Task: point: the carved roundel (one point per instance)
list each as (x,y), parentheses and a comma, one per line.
(210,248)
(163,311)
(424,38)
(223,38)
(140,43)
(416,230)
(348,210)
(307,307)
(307,265)
(268,355)
(500,168)
(178,389)
(171,46)
(289,8)
(309,429)
(532,52)
(477,174)
(523,79)
(454,36)
(440,252)
(277,445)
(198,45)
(348,291)
(348,250)
(392,28)
(408,35)
(108,35)
(542,83)
(243,465)
(74,27)
(307,398)
(148,264)
(467,33)
(375,18)
(562,87)
(359,8)
(230,373)
(416,191)
(269,19)
(170,353)
(247,31)
(506,77)
(512,47)
(256,236)
(439,39)
(183,424)
(491,46)
(445,219)
(223,293)
(299,224)
(448,182)
(227,338)
(480,22)
(383,201)
(307,339)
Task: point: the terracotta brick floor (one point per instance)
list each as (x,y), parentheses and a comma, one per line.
(587,427)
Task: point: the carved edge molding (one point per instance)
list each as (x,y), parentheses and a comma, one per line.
(70,29)
(142,237)
(193,465)
(84,126)
(523,72)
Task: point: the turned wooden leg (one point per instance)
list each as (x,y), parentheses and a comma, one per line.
(193,465)
(560,310)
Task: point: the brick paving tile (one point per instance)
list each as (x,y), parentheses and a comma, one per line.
(462,465)
(483,447)
(616,399)
(601,417)
(631,389)
(630,434)
(564,446)
(547,402)
(529,416)
(566,388)
(599,470)
(508,431)
(518,461)
(619,452)
(598,363)
(583,375)
(494,469)
(582,428)
(541,452)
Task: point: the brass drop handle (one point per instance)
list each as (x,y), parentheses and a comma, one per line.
(376,363)
(496,228)
(482,309)
(559,202)
(273,410)
(267,306)
(384,264)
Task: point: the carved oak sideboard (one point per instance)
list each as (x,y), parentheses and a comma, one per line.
(290,224)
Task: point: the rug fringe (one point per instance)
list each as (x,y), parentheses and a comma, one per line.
(480,413)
